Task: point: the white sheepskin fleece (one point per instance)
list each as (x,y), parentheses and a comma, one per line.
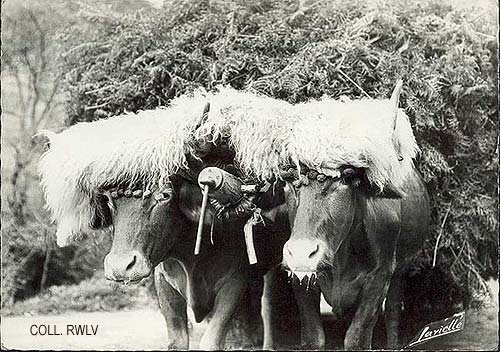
(355,132)
(266,134)
(257,128)
(145,147)
(150,146)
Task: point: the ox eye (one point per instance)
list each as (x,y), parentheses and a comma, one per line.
(350,175)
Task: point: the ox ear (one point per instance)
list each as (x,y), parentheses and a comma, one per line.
(356,177)
(43,137)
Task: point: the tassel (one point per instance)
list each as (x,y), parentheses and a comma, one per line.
(212,230)
(248,230)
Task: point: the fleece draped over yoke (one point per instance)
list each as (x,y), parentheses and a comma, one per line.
(266,134)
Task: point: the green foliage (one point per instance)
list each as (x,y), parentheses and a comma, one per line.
(92,295)
(32,262)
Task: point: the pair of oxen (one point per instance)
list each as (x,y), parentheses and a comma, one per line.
(335,233)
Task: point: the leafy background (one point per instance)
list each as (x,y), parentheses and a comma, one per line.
(69,61)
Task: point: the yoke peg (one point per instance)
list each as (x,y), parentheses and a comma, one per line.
(202,219)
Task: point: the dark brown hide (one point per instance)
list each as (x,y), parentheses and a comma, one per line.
(144,230)
(150,232)
(354,240)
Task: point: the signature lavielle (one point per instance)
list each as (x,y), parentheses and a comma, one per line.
(443,327)
(64,330)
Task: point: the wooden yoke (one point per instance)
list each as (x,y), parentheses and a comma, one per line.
(228,191)
(224,187)
(218,184)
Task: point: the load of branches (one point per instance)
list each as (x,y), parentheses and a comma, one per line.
(298,50)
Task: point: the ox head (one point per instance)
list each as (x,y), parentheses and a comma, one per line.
(323,211)
(146,225)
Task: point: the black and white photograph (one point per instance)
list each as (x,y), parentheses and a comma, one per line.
(249,175)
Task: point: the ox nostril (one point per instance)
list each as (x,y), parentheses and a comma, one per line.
(303,255)
(126,266)
(314,251)
(131,264)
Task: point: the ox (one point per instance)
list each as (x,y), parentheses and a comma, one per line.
(353,241)
(159,230)
(84,174)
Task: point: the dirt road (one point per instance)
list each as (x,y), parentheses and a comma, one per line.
(144,330)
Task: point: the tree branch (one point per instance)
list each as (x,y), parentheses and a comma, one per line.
(48,103)
(352,81)
(20,90)
(441,231)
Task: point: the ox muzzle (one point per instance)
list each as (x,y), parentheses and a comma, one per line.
(127,267)
(301,258)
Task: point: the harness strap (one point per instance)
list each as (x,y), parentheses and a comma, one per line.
(231,199)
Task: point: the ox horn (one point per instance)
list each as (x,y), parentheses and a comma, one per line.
(395,100)
(203,146)
(206,109)
(204,115)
